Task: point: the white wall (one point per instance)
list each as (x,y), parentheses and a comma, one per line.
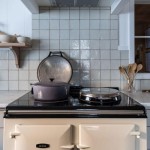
(15,18)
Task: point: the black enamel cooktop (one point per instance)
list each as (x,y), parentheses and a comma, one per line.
(28,107)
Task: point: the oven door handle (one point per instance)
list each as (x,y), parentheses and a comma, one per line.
(14,134)
(67,146)
(136,133)
(82,146)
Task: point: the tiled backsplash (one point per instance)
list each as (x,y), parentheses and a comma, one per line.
(87,36)
(89,39)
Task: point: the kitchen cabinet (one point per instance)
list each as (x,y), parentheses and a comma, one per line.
(15,48)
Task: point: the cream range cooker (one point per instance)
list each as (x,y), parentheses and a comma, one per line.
(79,122)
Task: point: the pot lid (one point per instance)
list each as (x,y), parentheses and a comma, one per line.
(54,68)
(102,93)
(100,96)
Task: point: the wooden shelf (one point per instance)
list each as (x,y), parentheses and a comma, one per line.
(15,47)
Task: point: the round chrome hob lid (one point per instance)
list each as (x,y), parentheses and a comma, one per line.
(100,96)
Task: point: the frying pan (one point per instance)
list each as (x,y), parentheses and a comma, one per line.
(55,67)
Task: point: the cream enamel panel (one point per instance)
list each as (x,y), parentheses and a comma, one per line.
(54,135)
(97,136)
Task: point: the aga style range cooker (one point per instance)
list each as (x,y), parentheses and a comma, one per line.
(90,118)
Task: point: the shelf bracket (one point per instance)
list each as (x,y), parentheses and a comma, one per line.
(16,52)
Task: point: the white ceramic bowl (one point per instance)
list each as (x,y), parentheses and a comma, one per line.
(22,39)
(5,38)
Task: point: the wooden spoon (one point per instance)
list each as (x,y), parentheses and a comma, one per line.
(139,67)
(133,68)
(123,72)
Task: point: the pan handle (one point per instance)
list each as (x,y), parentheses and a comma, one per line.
(55,53)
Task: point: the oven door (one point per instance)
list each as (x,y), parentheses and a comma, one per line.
(108,137)
(33,137)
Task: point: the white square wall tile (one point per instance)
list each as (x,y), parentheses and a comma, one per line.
(4,54)
(74,14)
(94,24)
(94,54)
(13,75)
(13,85)
(104,14)
(44,34)
(44,24)
(85,64)
(114,34)
(74,44)
(115,24)
(54,44)
(54,24)
(84,24)
(84,44)
(74,24)
(94,14)
(64,24)
(64,14)
(84,13)
(44,14)
(24,85)
(74,34)
(115,64)
(74,54)
(34,55)
(4,85)
(85,54)
(95,75)
(105,64)
(115,54)
(105,54)
(54,34)
(105,44)
(33,64)
(104,34)
(95,64)
(35,34)
(105,74)
(115,74)
(3,64)
(44,44)
(94,34)
(64,44)
(23,75)
(84,34)
(114,44)
(33,75)
(54,13)
(43,54)
(94,44)
(64,34)
(104,24)
(35,24)
(4,75)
